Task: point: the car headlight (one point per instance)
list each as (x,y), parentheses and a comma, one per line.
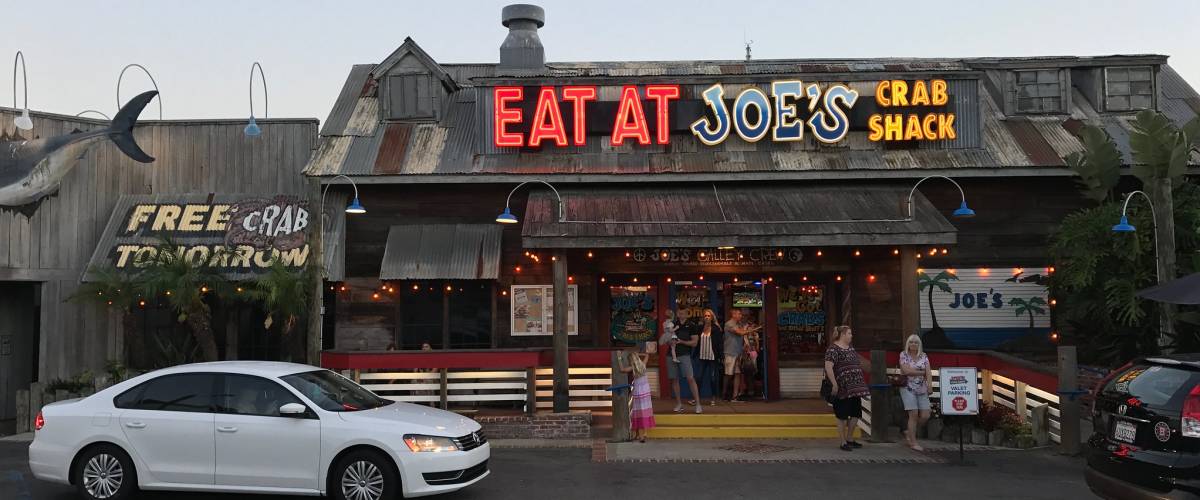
(419,442)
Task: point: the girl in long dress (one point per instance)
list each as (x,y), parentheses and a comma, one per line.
(641,410)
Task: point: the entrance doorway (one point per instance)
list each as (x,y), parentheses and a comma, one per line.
(725,297)
(19,316)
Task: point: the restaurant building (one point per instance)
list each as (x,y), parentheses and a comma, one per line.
(807,192)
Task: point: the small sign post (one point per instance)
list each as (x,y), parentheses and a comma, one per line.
(959,388)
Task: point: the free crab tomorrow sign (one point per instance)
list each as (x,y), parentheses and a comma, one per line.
(242,234)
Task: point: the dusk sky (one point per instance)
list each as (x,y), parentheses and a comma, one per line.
(200,52)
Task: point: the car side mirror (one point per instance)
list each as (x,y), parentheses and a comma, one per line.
(292,410)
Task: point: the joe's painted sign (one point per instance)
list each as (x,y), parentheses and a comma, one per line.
(906,110)
(984,307)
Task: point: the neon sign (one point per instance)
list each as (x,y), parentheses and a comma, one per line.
(564,116)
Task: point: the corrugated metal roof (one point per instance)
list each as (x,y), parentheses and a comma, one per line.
(358,141)
(347,100)
(442,251)
(784,215)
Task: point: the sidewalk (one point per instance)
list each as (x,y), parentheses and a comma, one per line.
(18,438)
(777,451)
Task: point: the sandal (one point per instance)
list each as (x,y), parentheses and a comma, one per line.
(916,447)
(678,409)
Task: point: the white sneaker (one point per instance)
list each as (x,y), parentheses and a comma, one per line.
(678,408)
(699,408)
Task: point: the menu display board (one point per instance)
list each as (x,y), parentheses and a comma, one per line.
(634,316)
(801,318)
(532,310)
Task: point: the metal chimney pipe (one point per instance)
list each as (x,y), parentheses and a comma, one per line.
(522,49)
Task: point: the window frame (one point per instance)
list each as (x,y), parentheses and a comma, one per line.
(141,389)
(224,410)
(1059,81)
(1130,109)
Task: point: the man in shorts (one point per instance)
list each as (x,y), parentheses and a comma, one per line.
(735,331)
(686,339)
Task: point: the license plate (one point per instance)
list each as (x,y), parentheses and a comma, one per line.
(1124,431)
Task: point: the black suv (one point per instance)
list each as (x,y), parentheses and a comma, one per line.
(1146,443)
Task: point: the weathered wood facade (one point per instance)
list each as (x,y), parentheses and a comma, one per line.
(49,248)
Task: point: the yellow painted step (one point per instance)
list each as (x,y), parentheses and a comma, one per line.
(745,420)
(729,432)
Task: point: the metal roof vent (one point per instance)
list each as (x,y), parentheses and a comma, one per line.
(522,49)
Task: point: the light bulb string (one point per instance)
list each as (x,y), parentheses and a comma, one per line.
(266,98)
(152,82)
(24,79)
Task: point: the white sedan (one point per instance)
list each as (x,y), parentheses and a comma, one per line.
(254,427)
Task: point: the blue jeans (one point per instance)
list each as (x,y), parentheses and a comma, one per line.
(708,377)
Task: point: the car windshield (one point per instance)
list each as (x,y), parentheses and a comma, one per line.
(333,392)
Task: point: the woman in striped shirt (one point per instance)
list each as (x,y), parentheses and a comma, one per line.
(709,351)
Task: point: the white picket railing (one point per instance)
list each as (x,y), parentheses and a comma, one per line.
(475,387)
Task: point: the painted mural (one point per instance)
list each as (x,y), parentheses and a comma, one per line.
(983,307)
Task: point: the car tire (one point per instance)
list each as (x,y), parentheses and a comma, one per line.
(364,475)
(104,472)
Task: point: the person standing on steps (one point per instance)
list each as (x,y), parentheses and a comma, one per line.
(709,354)
(843,368)
(686,337)
(735,345)
(914,365)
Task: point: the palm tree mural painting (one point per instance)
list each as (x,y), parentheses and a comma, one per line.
(936,337)
(1030,306)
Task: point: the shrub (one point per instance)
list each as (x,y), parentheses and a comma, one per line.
(993,416)
(73,385)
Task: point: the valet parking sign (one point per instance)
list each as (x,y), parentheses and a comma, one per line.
(959,391)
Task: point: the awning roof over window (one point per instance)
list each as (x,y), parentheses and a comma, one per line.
(442,251)
(708,216)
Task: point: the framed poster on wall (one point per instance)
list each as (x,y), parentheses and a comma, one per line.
(532,310)
(634,317)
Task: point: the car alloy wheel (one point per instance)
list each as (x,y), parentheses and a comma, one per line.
(362,480)
(103,475)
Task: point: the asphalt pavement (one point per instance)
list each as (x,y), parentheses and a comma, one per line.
(570,473)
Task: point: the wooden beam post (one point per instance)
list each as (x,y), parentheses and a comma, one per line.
(880,398)
(1068,402)
(531,390)
(1022,402)
(986,393)
(313,337)
(620,402)
(910,306)
(445,389)
(562,394)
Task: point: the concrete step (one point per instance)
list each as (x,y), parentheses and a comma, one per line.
(758,432)
(690,419)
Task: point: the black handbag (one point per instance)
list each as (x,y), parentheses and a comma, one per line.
(826,390)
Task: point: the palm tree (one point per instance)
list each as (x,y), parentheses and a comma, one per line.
(1029,306)
(185,282)
(941,282)
(118,291)
(286,294)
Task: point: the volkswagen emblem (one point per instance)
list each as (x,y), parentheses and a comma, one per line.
(1122,409)
(475,437)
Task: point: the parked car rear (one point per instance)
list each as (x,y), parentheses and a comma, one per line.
(1146,422)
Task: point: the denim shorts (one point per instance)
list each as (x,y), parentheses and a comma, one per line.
(914,401)
(683,366)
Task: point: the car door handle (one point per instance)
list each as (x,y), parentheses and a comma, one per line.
(135,425)
(226,429)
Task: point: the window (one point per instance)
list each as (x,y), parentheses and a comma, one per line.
(190,392)
(471,317)
(248,395)
(1128,88)
(333,392)
(1154,386)
(1039,91)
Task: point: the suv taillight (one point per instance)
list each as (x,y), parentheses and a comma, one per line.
(1190,426)
(39,421)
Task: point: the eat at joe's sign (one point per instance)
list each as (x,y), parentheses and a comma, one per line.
(906,111)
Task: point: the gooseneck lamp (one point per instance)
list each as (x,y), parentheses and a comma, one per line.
(355,207)
(508,218)
(152,82)
(22,122)
(1123,226)
(963,211)
(252,129)
(86,111)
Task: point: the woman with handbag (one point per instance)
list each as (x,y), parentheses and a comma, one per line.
(843,369)
(914,366)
